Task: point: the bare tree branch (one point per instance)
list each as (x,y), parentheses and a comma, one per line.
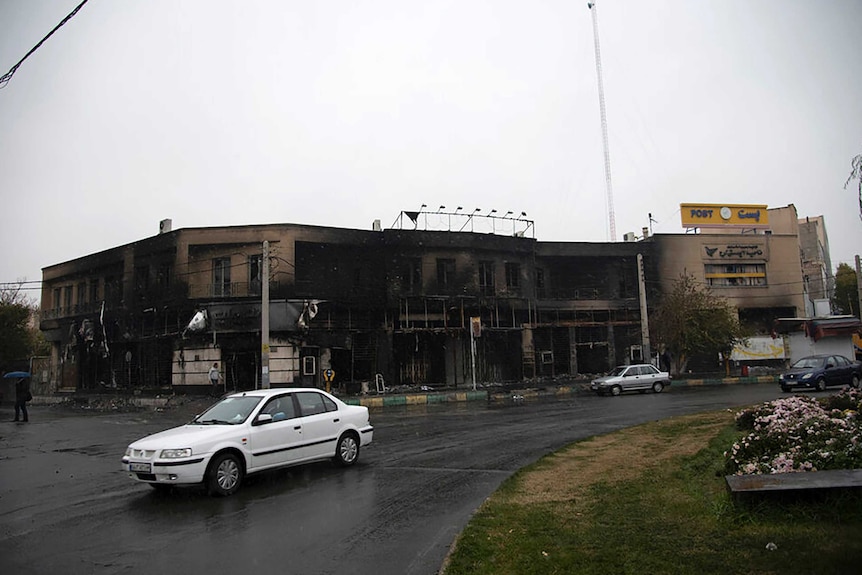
(856,174)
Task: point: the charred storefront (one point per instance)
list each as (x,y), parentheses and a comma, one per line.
(350,309)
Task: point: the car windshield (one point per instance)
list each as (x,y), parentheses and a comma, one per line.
(229,411)
(619,370)
(808,362)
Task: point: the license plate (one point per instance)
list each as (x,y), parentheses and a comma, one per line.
(139,467)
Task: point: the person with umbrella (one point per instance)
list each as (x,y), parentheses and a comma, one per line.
(22,394)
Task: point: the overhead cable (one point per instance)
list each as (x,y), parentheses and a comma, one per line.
(4,79)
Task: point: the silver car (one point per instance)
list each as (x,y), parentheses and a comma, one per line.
(639,377)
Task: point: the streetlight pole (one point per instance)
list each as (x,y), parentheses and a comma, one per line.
(264,318)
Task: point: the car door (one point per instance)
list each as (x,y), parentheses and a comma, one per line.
(832,371)
(276,441)
(629,379)
(843,370)
(321,423)
(649,374)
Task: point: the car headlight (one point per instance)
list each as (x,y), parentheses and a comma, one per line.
(176,453)
(806,376)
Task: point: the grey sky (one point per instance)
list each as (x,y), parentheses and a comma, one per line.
(337,113)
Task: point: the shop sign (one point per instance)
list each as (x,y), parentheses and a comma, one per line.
(745,216)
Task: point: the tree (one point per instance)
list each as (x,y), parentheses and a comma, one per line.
(691,320)
(846,298)
(856,174)
(19,339)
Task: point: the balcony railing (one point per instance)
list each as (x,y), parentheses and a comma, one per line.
(77,309)
(229,290)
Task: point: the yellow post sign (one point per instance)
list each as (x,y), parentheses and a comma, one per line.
(724,215)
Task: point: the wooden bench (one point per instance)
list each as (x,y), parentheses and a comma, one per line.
(794,482)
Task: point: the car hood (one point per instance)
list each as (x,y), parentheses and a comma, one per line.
(606,378)
(802,370)
(188,435)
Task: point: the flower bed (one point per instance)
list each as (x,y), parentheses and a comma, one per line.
(799,433)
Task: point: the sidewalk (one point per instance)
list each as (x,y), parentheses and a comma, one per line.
(521,391)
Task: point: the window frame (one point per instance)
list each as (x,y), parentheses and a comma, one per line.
(221,280)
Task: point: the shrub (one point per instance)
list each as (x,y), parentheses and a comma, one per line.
(799,434)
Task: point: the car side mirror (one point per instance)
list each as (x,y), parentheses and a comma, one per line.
(263,419)
(829,366)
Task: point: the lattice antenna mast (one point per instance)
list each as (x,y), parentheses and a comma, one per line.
(612,225)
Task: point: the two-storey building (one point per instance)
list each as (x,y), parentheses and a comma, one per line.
(407,306)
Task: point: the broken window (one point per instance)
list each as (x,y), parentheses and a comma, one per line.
(487,284)
(221,277)
(255,269)
(413,275)
(445,272)
(513,275)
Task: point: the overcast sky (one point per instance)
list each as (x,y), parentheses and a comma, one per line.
(338,113)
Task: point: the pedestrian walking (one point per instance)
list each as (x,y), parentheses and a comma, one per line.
(22,396)
(215,377)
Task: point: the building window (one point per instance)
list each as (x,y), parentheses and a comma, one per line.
(67,298)
(413,275)
(221,277)
(82,293)
(487,284)
(94,291)
(58,302)
(142,278)
(113,294)
(735,275)
(540,282)
(445,273)
(513,275)
(165,275)
(255,271)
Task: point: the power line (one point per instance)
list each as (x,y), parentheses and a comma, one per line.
(4,79)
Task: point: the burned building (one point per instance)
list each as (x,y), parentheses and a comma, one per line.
(345,307)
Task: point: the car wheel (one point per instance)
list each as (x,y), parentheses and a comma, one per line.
(616,390)
(854,381)
(658,386)
(225,475)
(820,385)
(347,451)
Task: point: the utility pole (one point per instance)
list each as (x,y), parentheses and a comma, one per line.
(264,318)
(612,226)
(475,331)
(859,283)
(647,352)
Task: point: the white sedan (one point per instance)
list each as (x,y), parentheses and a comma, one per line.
(248,432)
(631,377)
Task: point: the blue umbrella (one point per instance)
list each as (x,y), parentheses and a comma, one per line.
(16,375)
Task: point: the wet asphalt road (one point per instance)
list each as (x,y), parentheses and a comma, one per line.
(66,507)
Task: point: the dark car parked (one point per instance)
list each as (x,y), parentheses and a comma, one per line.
(821,371)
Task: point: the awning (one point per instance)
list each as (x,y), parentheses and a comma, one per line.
(820,327)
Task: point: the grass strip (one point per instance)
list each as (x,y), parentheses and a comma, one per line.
(652,499)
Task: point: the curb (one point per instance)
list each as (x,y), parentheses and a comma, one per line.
(383,401)
(535,393)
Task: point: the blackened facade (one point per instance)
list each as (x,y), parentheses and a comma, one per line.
(349,305)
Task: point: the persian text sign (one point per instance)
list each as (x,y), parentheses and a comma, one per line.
(749,250)
(724,215)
